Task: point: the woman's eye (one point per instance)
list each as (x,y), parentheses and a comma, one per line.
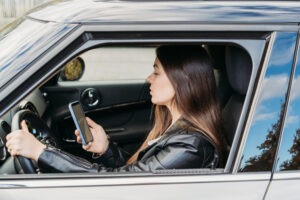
(155,73)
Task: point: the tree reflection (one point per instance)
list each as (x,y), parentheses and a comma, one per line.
(294,162)
(264,161)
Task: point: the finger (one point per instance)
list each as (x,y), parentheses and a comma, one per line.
(79,139)
(8,147)
(12,134)
(9,139)
(13,140)
(9,136)
(76,132)
(7,144)
(24,126)
(87,147)
(13,152)
(91,123)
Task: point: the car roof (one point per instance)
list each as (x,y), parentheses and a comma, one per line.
(101,11)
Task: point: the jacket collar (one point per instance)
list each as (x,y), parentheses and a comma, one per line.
(179,125)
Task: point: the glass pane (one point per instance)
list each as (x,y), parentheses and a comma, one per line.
(262,139)
(289,153)
(26,39)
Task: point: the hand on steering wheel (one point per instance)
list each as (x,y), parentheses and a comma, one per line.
(22,143)
(21,147)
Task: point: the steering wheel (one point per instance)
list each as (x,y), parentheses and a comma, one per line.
(38,128)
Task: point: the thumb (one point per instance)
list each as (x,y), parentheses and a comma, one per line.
(24,126)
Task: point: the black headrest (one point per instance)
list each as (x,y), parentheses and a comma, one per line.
(217,54)
(239,67)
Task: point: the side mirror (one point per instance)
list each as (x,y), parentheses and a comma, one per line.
(73,70)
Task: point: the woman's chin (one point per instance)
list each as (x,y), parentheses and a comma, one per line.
(157,103)
(154,101)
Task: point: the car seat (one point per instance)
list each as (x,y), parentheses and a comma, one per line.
(238,68)
(217,54)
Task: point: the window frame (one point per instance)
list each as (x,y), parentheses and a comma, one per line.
(84,40)
(250,45)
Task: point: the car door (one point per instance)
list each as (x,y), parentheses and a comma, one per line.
(286,176)
(239,178)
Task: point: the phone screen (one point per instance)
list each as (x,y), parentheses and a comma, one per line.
(80,122)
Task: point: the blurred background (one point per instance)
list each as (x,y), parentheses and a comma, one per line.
(12,9)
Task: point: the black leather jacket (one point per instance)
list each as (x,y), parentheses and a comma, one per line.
(181,147)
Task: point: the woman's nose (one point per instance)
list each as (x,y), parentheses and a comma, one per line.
(148,79)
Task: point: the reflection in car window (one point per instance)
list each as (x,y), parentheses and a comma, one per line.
(262,139)
(132,63)
(289,153)
(12,59)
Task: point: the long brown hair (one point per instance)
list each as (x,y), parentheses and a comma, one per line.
(189,70)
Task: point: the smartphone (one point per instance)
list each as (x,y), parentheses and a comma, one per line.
(80,122)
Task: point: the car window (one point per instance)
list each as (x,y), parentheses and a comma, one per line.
(135,63)
(289,152)
(261,144)
(116,108)
(132,63)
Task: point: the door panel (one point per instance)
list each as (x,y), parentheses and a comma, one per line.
(123,111)
(283,185)
(208,187)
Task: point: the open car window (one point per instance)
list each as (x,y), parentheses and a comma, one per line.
(112,89)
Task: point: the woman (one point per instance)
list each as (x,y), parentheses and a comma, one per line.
(186,133)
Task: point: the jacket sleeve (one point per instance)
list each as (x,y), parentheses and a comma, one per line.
(183,151)
(180,152)
(55,160)
(114,156)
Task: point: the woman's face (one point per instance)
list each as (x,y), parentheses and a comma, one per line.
(161,89)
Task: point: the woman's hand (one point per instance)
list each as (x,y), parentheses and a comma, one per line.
(23,143)
(100,141)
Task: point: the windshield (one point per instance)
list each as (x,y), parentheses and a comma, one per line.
(24,41)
